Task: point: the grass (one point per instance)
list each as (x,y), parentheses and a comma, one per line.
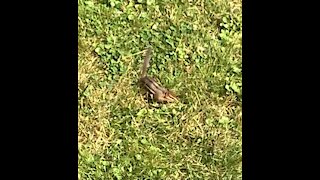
(197,53)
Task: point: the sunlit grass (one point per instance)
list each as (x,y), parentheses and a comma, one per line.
(197,54)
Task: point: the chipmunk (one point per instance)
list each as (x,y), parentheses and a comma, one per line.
(160,94)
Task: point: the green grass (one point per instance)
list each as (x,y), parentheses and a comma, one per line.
(197,53)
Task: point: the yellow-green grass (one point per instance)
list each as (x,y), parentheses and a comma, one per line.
(197,53)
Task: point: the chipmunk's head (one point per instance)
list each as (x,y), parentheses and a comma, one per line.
(170,96)
(165,97)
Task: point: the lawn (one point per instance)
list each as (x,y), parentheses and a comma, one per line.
(197,53)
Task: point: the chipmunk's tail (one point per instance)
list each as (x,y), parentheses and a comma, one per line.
(146,62)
